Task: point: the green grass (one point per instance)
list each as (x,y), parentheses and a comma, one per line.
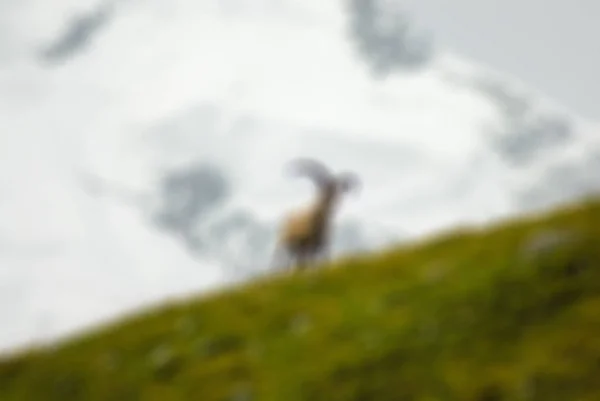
(511,312)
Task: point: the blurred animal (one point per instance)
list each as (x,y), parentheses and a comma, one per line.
(305,234)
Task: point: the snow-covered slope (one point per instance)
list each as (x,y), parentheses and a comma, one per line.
(142,148)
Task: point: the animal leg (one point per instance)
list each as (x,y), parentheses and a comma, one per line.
(281,259)
(301,261)
(325,254)
(275,257)
(314,259)
(292,265)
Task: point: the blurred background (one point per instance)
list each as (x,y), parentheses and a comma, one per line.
(143,142)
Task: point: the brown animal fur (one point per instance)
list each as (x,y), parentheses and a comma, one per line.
(304,234)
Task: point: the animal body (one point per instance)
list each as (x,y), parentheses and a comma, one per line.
(305,234)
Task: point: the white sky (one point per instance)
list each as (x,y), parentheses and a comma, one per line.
(552,45)
(104,257)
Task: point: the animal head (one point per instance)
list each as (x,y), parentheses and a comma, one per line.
(330,185)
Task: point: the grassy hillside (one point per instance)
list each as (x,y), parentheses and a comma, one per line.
(507,313)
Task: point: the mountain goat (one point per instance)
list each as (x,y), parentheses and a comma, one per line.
(305,234)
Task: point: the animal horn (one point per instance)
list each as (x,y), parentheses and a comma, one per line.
(348,181)
(312,168)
